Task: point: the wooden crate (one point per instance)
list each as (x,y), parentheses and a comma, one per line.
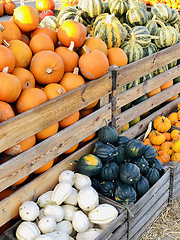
(174,180)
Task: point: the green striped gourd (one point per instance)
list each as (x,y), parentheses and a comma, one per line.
(122,18)
(152,26)
(172,64)
(162,12)
(146,77)
(136,16)
(128,30)
(141,35)
(139,3)
(160,70)
(149,15)
(168,36)
(110,30)
(71,13)
(118,7)
(133,83)
(92,7)
(174,18)
(150,49)
(134,51)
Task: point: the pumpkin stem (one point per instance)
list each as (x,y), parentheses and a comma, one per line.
(5,69)
(1,27)
(127,207)
(49,70)
(71,47)
(6,43)
(86,49)
(154,37)
(60,91)
(22,3)
(98,35)
(176,27)
(160,23)
(109,18)
(76,70)
(73,161)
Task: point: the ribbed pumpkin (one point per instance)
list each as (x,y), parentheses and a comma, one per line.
(110,30)
(93,7)
(167,146)
(93,64)
(41,42)
(162,124)
(174,17)
(6,111)
(7,59)
(150,49)
(47,67)
(176,146)
(136,16)
(53,90)
(162,12)
(25,76)
(1,9)
(117,56)
(47,132)
(30,98)
(26,17)
(157,138)
(45,5)
(152,26)
(69,57)
(10,31)
(175,134)
(9,7)
(175,157)
(141,35)
(118,7)
(163,156)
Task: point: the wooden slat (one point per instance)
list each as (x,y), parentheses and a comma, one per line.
(30,160)
(120,233)
(141,126)
(26,124)
(145,87)
(147,65)
(146,105)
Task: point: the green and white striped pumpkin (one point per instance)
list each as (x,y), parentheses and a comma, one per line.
(136,3)
(174,18)
(152,27)
(150,49)
(92,7)
(128,30)
(136,16)
(110,30)
(134,51)
(118,7)
(146,77)
(160,70)
(141,35)
(162,12)
(172,64)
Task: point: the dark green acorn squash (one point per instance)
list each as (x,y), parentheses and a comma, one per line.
(108,134)
(95,182)
(98,144)
(125,194)
(156,163)
(143,165)
(122,141)
(141,187)
(106,188)
(134,148)
(140,99)
(152,176)
(89,165)
(129,173)
(149,153)
(109,172)
(105,152)
(119,158)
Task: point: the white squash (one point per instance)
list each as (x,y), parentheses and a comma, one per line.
(81,180)
(72,199)
(90,234)
(54,210)
(27,231)
(67,176)
(29,211)
(61,192)
(43,237)
(58,235)
(80,221)
(41,214)
(68,211)
(103,214)
(104,226)
(45,199)
(71,238)
(47,224)
(65,226)
(88,198)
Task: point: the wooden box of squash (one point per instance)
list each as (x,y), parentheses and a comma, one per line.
(174,180)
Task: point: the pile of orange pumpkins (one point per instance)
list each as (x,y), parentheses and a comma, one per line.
(165,137)
(171,3)
(7,7)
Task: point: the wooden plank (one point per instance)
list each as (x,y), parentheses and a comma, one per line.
(177,179)
(44,182)
(30,160)
(147,65)
(141,126)
(120,233)
(145,87)
(26,124)
(151,220)
(176,194)
(146,105)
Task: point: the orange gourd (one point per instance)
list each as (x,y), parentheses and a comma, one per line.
(9,7)
(177,124)
(162,124)
(10,31)
(41,42)
(70,30)
(85,113)
(176,145)
(157,138)
(72,149)
(47,67)
(47,132)
(1,9)
(93,64)
(26,17)
(175,157)
(45,167)
(21,51)
(1,38)
(66,122)
(147,141)
(167,146)
(173,117)
(45,5)
(163,156)
(6,111)
(157,147)
(69,57)
(72,80)
(53,90)
(22,180)
(167,136)
(25,76)
(166,85)
(178,113)
(91,136)
(92,105)
(48,31)
(154,92)
(7,59)
(172,98)
(175,134)
(21,147)
(117,56)
(30,98)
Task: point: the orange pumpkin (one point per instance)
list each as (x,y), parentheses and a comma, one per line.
(167,146)
(175,157)
(71,30)
(117,56)
(53,90)
(85,113)
(91,136)
(178,106)
(7,59)
(166,85)
(21,51)
(26,17)
(72,80)
(176,145)
(1,38)
(1,9)
(157,138)
(167,136)
(21,147)
(6,193)
(6,111)
(177,124)
(48,31)
(47,67)
(175,134)
(163,156)
(22,180)
(173,117)
(66,122)
(45,167)
(45,5)
(147,141)
(41,42)
(178,113)
(172,98)
(162,124)
(154,92)
(69,57)
(30,98)
(11,31)
(92,105)
(157,147)
(10,87)
(25,39)
(9,7)
(93,64)
(47,132)
(72,149)
(25,76)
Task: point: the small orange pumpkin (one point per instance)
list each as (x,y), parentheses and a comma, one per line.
(53,90)
(45,167)
(173,117)
(72,149)
(9,7)
(162,124)
(154,92)
(176,145)
(175,157)
(41,42)
(157,138)
(7,59)
(45,5)
(167,136)
(175,134)
(1,9)
(167,146)
(22,180)
(157,147)
(166,85)
(178,113)
(163,156)
(69,120)
(10,31)
(91,136)
(92,105)
(147,141)
(6,111)
(47,132)
(117,56)
(85,113)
